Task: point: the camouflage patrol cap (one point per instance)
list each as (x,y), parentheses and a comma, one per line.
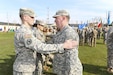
(40,22)
(27,11)
(61,13)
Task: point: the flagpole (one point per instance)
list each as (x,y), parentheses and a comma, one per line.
(108,18)
(47,15)
(8,20)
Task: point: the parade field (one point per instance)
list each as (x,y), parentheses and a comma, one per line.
(92,58)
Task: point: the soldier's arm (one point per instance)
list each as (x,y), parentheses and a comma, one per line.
(110,41)
(35,44)
(72,55)
(70,34)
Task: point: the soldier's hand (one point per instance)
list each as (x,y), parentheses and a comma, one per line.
(70,44)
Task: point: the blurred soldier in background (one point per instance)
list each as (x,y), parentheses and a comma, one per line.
(27,45)
(39,27)
(99,33)
(105,30)
(93,36)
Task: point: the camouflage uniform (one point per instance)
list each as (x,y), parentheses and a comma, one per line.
(110,48)
(39,34)
(94,36)
(105,30)
(26,46)
(67,63)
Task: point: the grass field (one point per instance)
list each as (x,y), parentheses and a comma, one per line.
(92,58)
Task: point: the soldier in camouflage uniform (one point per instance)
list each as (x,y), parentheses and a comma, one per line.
(110,50)
(27,45)
(105,30)
(67,63)
(39,27)
(93,37)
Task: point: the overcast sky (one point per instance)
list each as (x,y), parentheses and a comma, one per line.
(80,10)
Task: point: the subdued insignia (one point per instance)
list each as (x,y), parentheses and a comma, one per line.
(29,41)
(28,36)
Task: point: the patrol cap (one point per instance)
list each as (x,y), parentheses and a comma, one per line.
(61,13)
(40,22)
(27,11)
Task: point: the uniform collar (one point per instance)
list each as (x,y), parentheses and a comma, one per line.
(63,29)
(23,25)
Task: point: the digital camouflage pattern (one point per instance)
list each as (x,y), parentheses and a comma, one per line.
(67,63)
(26,46)
(110,48)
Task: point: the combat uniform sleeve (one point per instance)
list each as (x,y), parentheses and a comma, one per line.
(71,56)
(110,41)
(35,44)
(71,34)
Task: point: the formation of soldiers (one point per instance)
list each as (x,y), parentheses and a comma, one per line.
(89,35)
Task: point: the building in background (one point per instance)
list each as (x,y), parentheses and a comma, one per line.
(8,27)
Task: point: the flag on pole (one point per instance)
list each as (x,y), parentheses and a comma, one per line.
(108,18)
(81,26)
(100,24)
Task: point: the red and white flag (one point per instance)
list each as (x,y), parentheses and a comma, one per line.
(100,24)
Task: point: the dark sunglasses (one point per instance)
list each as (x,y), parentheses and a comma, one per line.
(32,17)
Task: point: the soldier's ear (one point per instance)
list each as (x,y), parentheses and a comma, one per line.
(25,17)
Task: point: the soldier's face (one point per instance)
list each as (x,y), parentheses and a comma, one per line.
(30,20)
(58,21)
(41,27)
